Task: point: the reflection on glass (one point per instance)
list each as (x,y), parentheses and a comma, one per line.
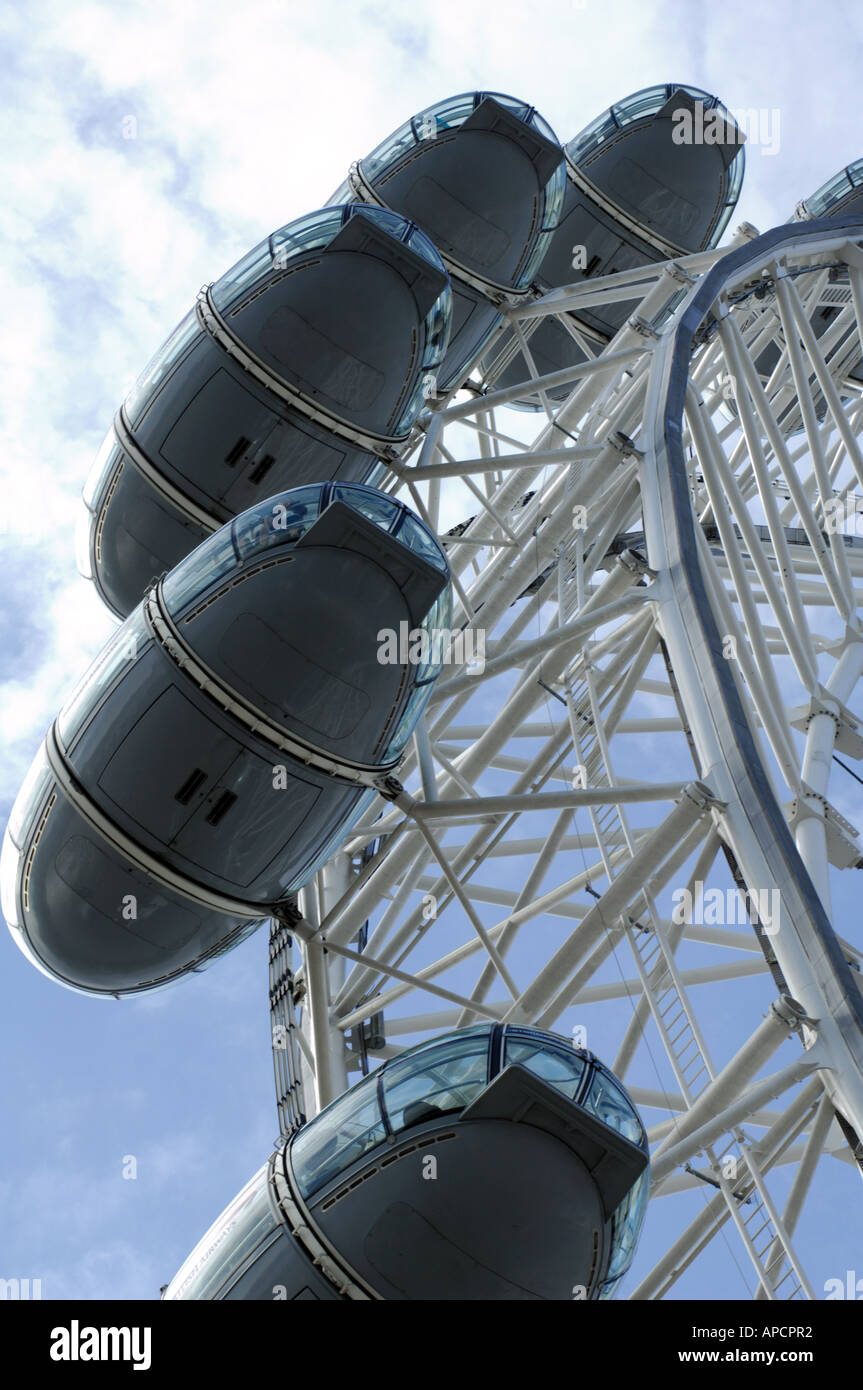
(103,466)
(646,103)
(158,368)
(608,1103)
(210,561)
(376,506)
(9,860)
(276,522)
(443,1077)
(625,1231)
(562,1069)
(436,625)
(83,529)
(241,1228)
(835,189)
(33,788)
(120,650)
(415,535)
(338,1137)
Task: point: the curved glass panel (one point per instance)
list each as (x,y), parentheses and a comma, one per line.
(159,366)
(83,532)
(230,1240)
(315,230)
(208,562)
(436,1079)
(393,517)
(282,520)
(400,228)
(310,233)
(122,647)
(625,1231)
(414,535)
(448,115)
(646,103)
(276,521)
(376,506)
(434,650)
(33,788)
(562,1067)
(443,116)
(610,1104)
(103,465)
(834,190)
(10,857)
(336,1138)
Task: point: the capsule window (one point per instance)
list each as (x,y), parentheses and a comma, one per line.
(563,1070)
(608,1103)
(34,786)
(625,1230)
(436,1080)
(338,1137)
(246,1223)
(161,365)
(120,651)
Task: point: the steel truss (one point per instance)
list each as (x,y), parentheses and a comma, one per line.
(672,640)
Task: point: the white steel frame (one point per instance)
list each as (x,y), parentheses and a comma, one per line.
(703,605)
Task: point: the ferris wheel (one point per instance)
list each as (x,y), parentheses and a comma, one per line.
(666,561)
(551,623)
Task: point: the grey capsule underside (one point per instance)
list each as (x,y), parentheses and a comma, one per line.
(490,1228)
(181,784)
(674,191)
(516,1207)
(348,338)
(477,191)
(101,924)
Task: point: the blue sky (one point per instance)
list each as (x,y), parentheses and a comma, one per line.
(145,148)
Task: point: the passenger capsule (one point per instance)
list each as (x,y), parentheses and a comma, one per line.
(305,363)
(482,174)
(832,317)
(654,177)
(232,729)
(841,196)
(498,1162)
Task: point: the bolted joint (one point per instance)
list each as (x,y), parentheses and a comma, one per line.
(677,272)
(791,1013)
(635,563)
(624,446)
(704,799)
(642,327)
(389,787)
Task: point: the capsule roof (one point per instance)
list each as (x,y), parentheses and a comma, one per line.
(650,102)
(842,191)
(475,111)
(315,232)
(283,520)
(329,229)
(444,1076)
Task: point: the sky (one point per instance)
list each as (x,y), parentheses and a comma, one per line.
(145,147)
